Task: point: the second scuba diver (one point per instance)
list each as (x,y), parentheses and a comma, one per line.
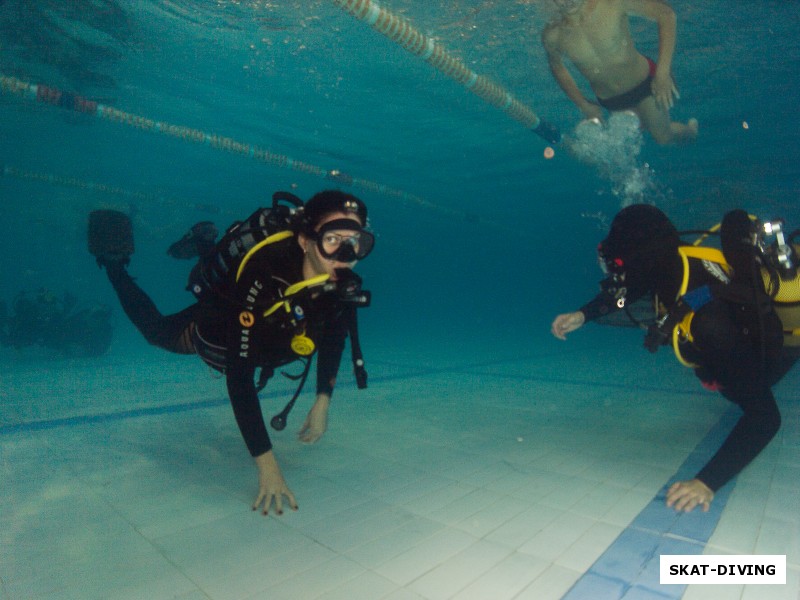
(718,310)
(47,321)
(265,298)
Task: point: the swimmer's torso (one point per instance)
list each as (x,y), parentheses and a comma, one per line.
(598,41)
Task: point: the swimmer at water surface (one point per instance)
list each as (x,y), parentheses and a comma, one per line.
(595,36)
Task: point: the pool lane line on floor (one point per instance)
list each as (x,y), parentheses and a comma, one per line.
(471,370)
(78,420)
(106,417)
(630,566)
(181,407)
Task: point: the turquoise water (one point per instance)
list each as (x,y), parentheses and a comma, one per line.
(503,240)
(309,81)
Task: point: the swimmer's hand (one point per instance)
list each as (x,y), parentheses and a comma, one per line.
(684,496)
(271,485)
(664,91)
(591,111)
(564,324)
(316,422)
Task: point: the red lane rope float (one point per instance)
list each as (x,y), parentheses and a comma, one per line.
(75,102)
(401,32)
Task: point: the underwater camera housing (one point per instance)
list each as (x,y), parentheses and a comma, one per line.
(781,253)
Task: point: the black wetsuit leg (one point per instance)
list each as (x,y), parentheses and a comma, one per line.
(787,360)
(172,332)
(730,357)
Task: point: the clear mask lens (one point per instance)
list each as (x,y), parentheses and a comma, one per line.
(602,263)
(344,241)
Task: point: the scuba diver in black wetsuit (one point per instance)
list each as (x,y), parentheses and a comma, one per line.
(718,311)
(265,299)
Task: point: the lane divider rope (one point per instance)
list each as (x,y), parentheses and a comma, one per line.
(71,101)
(402,32)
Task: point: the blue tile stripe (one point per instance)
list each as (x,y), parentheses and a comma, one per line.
(107,417)
(629,568)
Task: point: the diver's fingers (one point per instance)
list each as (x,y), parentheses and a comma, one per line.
(290,498)
(664,100)
(686,504)
(559,328)
(681,502)
(268,499)
(675,493)
(258,501)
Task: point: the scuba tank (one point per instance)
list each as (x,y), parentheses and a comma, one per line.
(215,272)
(782,256)
(764,275)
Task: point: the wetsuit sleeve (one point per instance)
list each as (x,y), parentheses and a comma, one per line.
(606,302)
(737,364)
(247,408)
(756,427)
(331,348)
(599,306)
(253,287)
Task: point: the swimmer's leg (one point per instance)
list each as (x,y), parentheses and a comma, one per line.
(658,123)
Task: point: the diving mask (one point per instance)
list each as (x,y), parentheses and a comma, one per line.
(344,240)
(610,265)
